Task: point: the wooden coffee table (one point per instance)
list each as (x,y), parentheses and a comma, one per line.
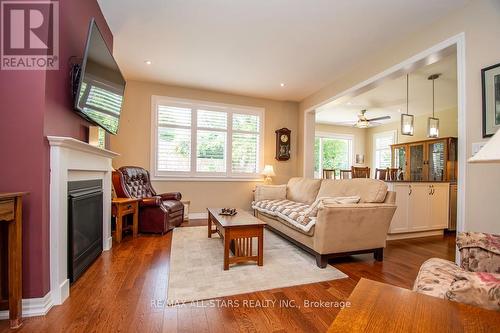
(238,232)
(379,307)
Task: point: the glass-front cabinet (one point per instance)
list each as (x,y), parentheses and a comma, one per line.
(399,159)
(417,161)
(429,160)
(436,157)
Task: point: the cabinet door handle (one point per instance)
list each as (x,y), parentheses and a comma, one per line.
(431,190)
(410,190)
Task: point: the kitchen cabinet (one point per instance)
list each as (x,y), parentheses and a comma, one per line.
(421,206)
(428,160)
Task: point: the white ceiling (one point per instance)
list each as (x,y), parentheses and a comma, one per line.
(250,46)
(389,98)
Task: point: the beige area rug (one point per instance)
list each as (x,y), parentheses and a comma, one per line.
(196,271)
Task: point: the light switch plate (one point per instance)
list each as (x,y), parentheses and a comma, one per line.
(476,146)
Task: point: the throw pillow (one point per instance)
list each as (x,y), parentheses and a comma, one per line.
(270,192)
(312,211)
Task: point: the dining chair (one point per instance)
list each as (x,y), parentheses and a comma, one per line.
(360,172)
(392,174)
(345,174)
(381,174)
(329,174)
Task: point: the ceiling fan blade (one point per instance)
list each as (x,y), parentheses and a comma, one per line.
(342,123)
(379,118)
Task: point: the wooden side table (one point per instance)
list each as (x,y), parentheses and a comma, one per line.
(122,207)
(11,212)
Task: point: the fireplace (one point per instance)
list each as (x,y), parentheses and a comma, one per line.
(85,225)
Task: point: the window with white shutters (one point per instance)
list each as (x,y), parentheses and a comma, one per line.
(206,140)
(245,143)
(382,149)
(174,139)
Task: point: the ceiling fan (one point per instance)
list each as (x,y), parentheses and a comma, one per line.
(364,122)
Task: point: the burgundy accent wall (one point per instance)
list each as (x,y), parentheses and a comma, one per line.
(34,104)
(23,164)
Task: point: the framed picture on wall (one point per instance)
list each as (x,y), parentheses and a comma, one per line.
(490,79)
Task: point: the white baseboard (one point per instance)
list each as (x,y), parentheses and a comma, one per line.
(64,292)
(33,307)
(108,244)
(198,216)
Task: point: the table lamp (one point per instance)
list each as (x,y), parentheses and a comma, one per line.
(490,153)
(268,172)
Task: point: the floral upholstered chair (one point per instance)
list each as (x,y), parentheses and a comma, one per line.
(476,282)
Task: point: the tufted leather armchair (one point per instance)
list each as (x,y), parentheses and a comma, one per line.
(158,213)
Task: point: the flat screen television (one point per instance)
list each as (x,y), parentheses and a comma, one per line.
(99,84)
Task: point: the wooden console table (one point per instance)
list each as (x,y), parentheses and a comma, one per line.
(122,207)
(11,212)
(379,307)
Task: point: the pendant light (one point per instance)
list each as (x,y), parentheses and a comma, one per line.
(433,122)
(407,119)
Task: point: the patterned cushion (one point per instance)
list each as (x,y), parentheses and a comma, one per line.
(435,277)
(442,278)
(300,216)
(293,214)
(480,252)
(478,289)
(270,206)
(288,211)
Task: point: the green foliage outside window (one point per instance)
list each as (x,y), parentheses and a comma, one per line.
(334,154)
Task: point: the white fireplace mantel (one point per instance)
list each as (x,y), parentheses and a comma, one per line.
(70,160)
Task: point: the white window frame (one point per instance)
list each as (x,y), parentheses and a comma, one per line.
(194,105)
(330,135)
(393,133)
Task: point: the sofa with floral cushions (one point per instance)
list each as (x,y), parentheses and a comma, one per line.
(475,282)
(328,218)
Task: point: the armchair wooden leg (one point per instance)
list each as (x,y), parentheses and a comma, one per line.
(379,254)
(321,261)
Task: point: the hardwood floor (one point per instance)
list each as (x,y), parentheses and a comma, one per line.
(124,289)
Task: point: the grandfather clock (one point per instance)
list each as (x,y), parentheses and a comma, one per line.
(283,144)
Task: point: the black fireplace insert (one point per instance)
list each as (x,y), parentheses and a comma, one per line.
(84,225)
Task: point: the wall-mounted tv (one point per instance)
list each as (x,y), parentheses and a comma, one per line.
(100,84)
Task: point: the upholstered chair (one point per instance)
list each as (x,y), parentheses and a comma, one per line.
(158,213)
(475,282)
